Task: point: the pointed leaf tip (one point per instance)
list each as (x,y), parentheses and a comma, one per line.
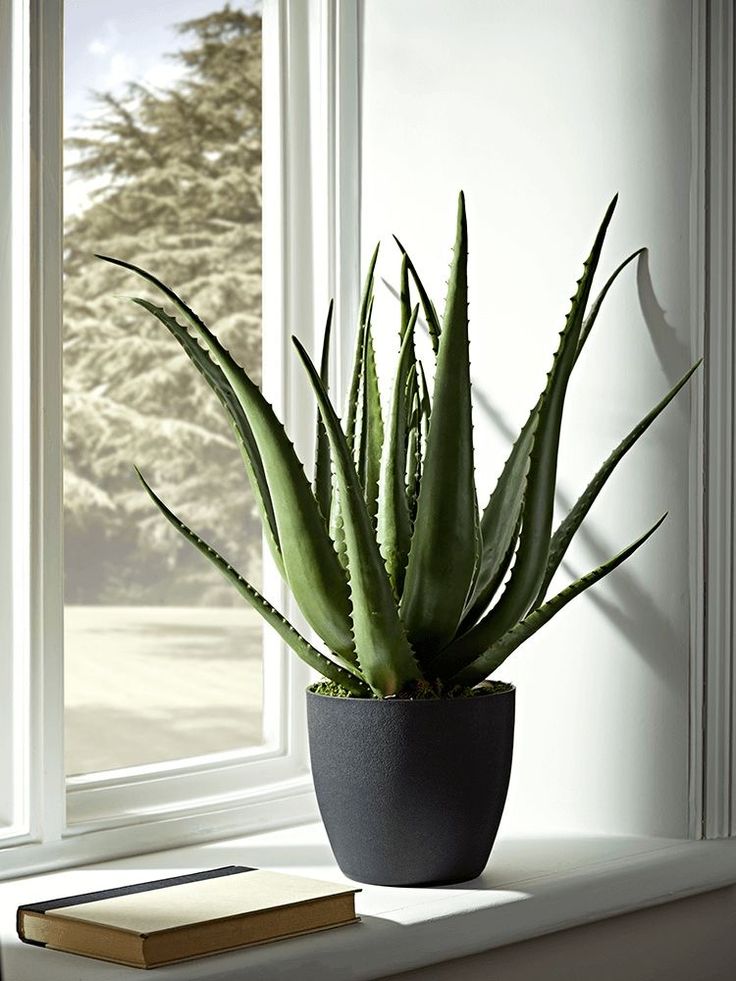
(461,216)
(349,679)
(442,555)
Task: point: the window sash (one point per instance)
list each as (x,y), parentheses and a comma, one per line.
(14,571)
(308,49)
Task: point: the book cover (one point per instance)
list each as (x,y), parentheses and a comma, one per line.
(149,924)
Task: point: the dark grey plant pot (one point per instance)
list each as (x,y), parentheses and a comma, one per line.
(411,792)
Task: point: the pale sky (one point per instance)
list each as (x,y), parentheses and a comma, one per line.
(108,43)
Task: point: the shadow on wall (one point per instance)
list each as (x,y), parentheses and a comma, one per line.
(674,356)
(629,606)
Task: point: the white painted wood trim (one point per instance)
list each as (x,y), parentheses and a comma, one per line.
(336,179)
(532,887)
(697,423)
(713,693)
(14,428)
(45,396)
(346,190)
(279,804)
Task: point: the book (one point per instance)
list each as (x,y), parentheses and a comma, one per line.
(150,924)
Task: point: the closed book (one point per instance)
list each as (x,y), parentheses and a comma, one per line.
(150,924)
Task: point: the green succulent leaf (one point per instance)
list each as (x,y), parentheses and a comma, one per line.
(386,553)
(313,570)
(564,534)
(358,372)
(534,539)
(394,520)
(430,314)
(322,467)
(371,430)
(404,298)
(425,402)
(598,302)
(407,325)
(482,598)
(442,556)
(300,646)
(384,655)
(522,631)
(413,447)
(237,418)
(500,523)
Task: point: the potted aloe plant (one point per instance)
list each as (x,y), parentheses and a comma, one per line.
(416,593)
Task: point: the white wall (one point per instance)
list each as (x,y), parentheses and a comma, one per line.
(541,111)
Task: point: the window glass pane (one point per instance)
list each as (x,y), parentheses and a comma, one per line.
(162,168)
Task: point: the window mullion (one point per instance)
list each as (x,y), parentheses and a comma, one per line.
(45,201)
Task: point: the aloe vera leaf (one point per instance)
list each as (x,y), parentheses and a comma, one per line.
(337,532)
(407,321)
(522,631)
(425,402)
(534,540)
(383,652)
(300,646)
(412,398)
(413,448)
(483,598)
(598,302)
(371,434)
(430,314)
(500,522)
(423,409)
(435,315)
(362,407)
(504,507)
(236,417)
(404,298)
(564,533)
(358,369)
(322,468)
(367,296)
(313,570)
(394,522)
(442,554)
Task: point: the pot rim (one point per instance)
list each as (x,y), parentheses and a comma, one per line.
(511,690)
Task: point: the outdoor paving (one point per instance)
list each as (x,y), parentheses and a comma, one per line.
(145,685)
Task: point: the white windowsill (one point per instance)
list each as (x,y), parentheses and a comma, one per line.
(532,886)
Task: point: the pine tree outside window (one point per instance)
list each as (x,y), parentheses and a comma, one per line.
(163,168)
(181,718)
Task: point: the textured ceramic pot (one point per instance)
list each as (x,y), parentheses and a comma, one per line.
(411,792)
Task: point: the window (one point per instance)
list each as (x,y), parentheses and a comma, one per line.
(162,134)
(183,719)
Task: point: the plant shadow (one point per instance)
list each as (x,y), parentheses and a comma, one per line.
(643,624)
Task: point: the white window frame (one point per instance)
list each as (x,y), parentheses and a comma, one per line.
(311,204)
(713,473)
